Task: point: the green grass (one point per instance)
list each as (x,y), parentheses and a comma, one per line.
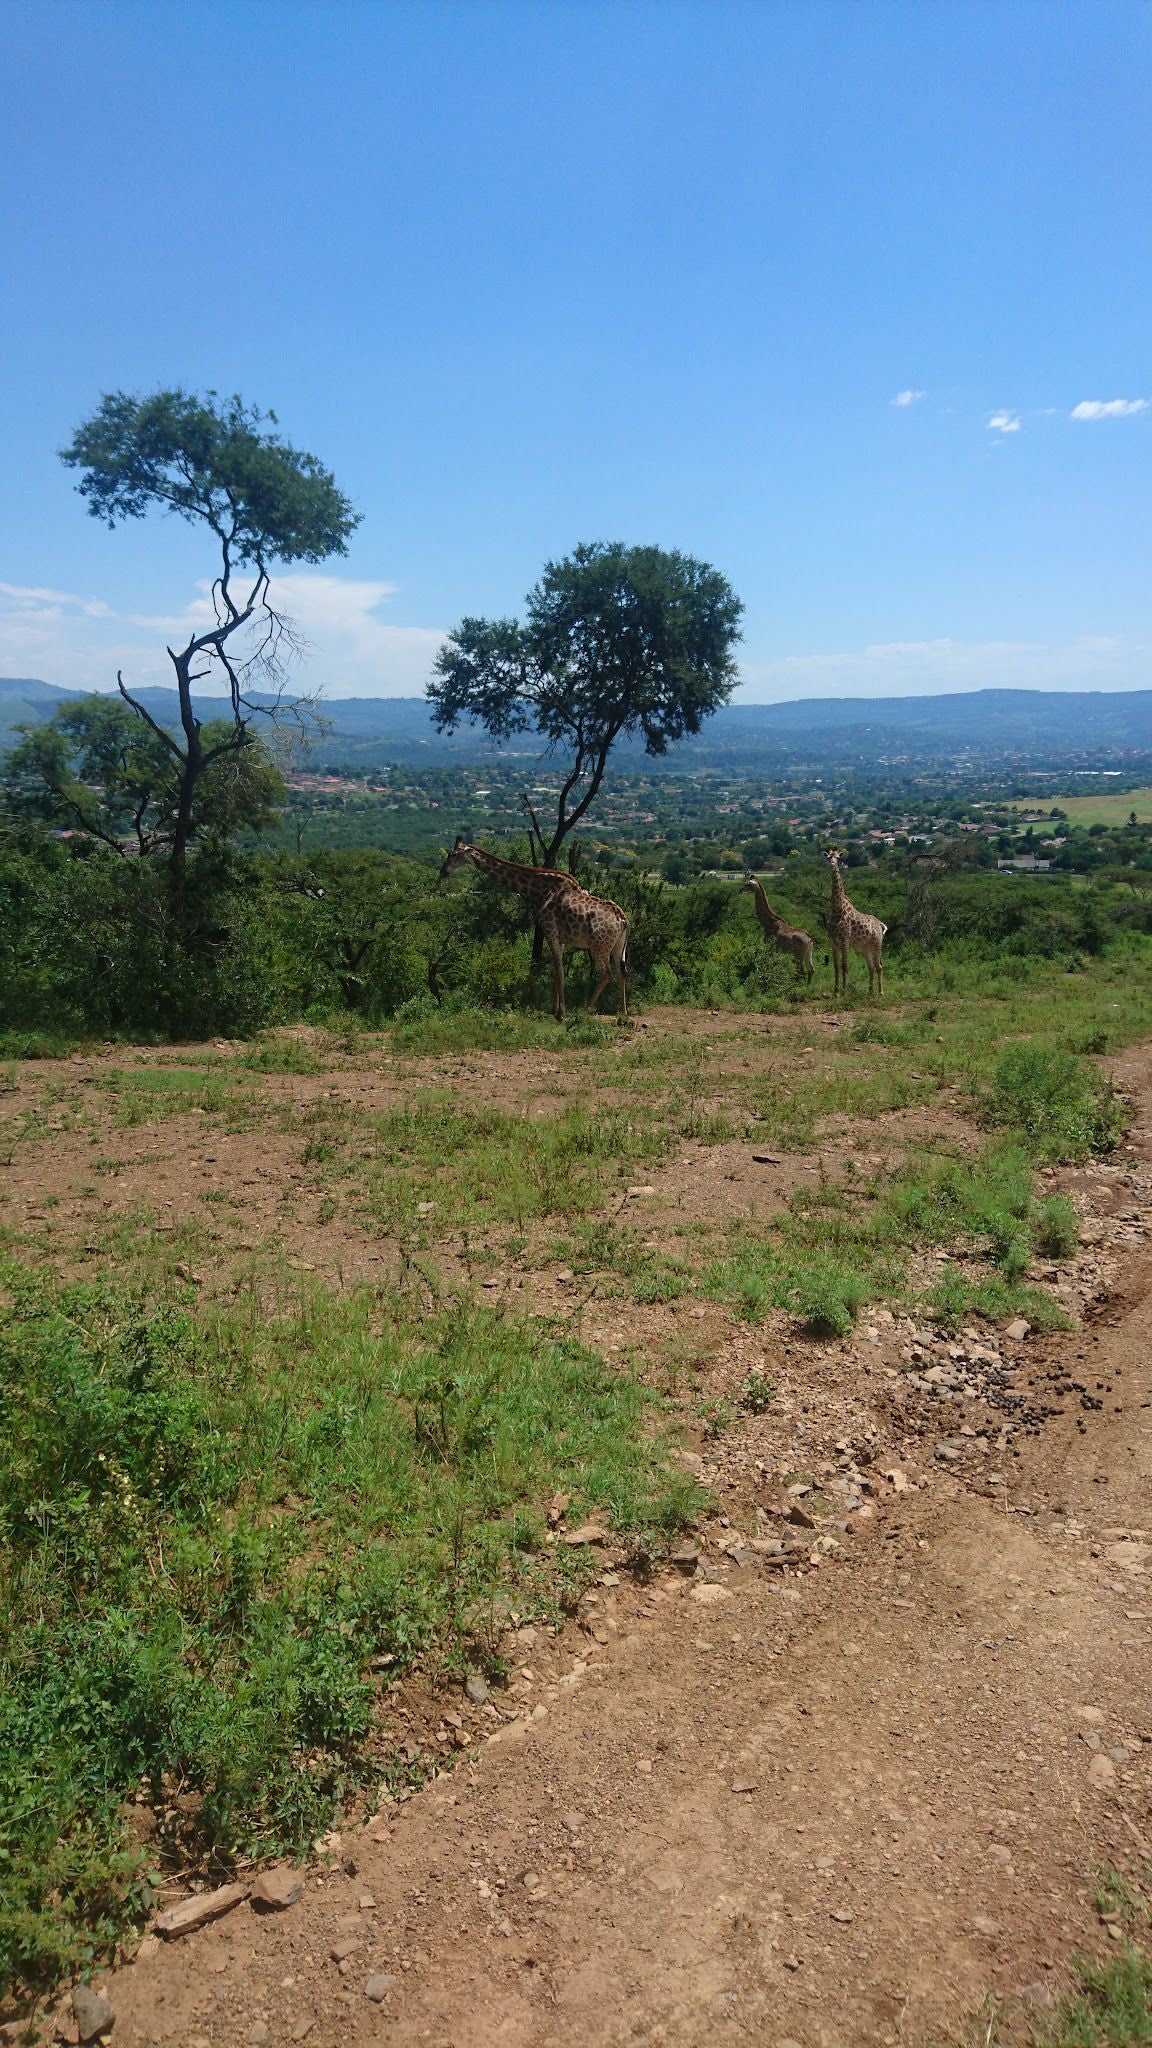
(845,1243)
(210,1528)
(473,1029)
(149,1094)
(280,1053)
(1104,809)
(485,1165)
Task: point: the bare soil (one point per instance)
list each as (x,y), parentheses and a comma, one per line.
(821,1796)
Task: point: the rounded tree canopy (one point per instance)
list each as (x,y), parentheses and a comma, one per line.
(215,460)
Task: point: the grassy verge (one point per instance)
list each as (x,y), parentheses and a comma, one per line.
(845,1243)
(212,1532)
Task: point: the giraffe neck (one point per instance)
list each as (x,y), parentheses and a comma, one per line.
(839,893)
(530,882)
(766,912)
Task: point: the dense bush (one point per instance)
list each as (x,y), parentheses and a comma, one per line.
(87,943)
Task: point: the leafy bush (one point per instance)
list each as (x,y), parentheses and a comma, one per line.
(1055,1101)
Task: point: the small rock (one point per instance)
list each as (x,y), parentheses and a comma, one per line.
(278,1888)
(588,1532)
(710,1595)
(378,1987)
(685,1557)
(1018,1330)
(983,1925)
(1102,1771)
(744,1784)
(259,2034)
(300,2029)
(1038,1994)
(341,1950)
(800,1516)
(92,2013)
(475,1689)
(635,1193)
(843,1914)
(644,1766)
(572,1821)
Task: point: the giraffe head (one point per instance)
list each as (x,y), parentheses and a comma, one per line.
(749,882)
(832,856)
(456,857)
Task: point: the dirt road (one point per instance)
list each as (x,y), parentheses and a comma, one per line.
(828,1806)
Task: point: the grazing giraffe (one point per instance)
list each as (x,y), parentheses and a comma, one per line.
(785,937)
(569,917)
(850,928)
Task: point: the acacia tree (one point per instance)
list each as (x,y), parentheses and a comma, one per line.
(96,769)
(217,463)
(617,641)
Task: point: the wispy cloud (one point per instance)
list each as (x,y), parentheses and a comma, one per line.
(350,648)
(31,598)
(908,397)
(1108,408)
(910,668)
(1004,422)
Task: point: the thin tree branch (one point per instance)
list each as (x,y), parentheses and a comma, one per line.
(143,712)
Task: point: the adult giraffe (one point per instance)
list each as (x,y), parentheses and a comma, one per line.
(848,929)
(570,918)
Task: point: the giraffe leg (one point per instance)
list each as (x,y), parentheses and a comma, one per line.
(557,980)
(599,989)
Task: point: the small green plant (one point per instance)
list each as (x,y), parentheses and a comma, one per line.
(827,1295)
(758,1393)
(1055,1227)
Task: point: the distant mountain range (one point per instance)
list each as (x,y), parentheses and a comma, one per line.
(1035,728)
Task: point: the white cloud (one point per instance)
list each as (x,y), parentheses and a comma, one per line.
(349,648)
(928,668)
(908,397)
(1004,422)
(1108,408)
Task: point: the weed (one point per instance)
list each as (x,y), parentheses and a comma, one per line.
(758,1393)
(1055,1227)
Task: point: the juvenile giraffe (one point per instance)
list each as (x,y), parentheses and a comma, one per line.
(785,937)
(569,917)
(850,928)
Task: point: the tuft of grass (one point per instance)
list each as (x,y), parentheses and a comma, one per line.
(280,1053)
(211,1531)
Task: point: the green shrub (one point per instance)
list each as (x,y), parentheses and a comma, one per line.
(1055,1101)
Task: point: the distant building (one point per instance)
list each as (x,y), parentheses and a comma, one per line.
(1028,863)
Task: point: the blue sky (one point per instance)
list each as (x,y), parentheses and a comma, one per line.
(530,274)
